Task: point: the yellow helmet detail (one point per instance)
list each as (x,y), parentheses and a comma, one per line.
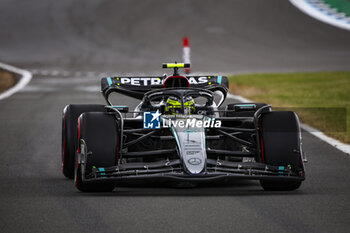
(173,106)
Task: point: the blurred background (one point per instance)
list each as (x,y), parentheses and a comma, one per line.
(136,36)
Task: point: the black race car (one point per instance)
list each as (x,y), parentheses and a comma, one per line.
(178,132)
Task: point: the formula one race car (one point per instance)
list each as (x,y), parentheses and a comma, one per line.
(178,133)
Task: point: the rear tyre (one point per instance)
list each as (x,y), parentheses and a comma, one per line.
(100,133)
(281,147)
(69,133)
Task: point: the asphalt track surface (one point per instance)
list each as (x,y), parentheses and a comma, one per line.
(135,37)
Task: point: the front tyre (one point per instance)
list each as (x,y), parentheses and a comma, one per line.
(100,133)
(69,133)
(281,146)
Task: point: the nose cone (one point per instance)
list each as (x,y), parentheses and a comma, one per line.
(191,144)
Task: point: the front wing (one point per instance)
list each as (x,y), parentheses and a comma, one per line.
(172,170)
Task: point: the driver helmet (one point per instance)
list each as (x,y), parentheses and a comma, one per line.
(173,106)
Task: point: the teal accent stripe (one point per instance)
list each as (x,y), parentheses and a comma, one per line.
(219,79)
(101,169)
(109,80)
(245,105)
(280,169)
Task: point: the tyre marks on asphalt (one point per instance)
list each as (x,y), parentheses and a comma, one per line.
(60,81)
(67,73)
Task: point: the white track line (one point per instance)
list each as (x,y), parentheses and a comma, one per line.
(333,142)
(25,79)
(337,144)
(323,12)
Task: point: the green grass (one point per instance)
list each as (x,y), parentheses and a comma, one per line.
(321,100)
(340,5)
(6,80)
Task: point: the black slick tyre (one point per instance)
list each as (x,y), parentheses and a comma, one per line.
(69,133)
(100,133)
(281,147)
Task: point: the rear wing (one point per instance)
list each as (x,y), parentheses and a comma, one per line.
(136,87)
